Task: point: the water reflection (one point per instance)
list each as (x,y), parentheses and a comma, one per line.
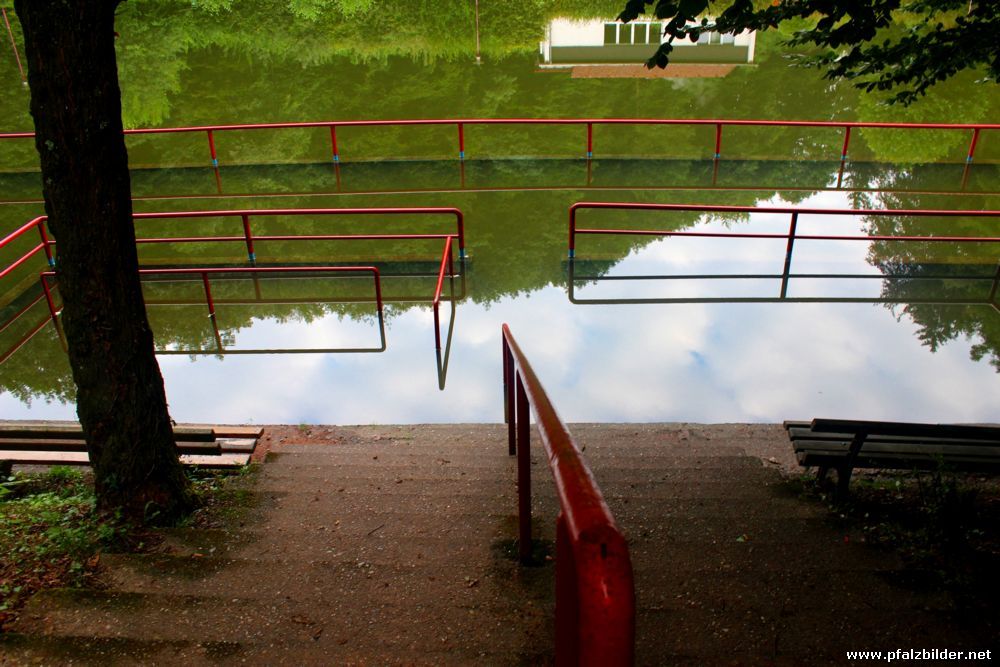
(927,350)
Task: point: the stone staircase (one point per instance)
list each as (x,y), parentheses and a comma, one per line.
(394,546)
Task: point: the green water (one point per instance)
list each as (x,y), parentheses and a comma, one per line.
(927,349)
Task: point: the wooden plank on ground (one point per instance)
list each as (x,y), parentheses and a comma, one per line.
(216,461)
(232,445)
(238,431)
(27,457)
(45,431)
(75,445)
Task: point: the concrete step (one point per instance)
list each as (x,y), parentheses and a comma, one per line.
(470,582)
(24,649)
(792,589)
(402,490)
(752,637)
(282,622)
(326,506)
(358,476)
(481,465)
(596,449)
(19,649)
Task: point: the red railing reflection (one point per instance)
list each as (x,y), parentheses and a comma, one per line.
(794,214)
(718,124)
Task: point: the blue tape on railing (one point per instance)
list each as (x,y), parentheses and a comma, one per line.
(718,155)
(253,257)
(590,154)
(52,262)
(336,158)
(215,162)
(572,254)
(461,254)
(968,158)
(461,155)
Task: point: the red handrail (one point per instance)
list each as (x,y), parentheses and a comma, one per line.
(460,123)
(791,236)
(595,593)
(45,245)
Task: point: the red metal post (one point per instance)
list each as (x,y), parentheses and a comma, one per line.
(572,231)
(996,284)
(451,262)
(972,146)
(523,474)
(567,598)
(437,325)
(248,235)
(590,140)
(788,254)
(461,141)
(460,223)
(13,44)
(508,370)
(208,295)
(847,142)
(333,141)
(718,140)
(378,288)
(211,148)
(48,295)
(46,242)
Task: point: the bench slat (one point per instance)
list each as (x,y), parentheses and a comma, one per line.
(901,462)
(945,451)
(961,431)
(805,435)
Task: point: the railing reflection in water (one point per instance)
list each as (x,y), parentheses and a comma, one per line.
(268,275)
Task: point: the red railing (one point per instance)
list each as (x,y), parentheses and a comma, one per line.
(791,236)
(595,594)
(205,272)
(975,128)
(46,245)
(248,237)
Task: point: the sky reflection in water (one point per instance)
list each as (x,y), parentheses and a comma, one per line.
(704,362)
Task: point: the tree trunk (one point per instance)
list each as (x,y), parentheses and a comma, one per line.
(76,105)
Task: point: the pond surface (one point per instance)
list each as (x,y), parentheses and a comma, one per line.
(906,331)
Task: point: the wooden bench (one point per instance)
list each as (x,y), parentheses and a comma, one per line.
(845,445)
(62,443)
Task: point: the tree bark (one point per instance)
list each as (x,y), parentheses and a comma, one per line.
(76,105)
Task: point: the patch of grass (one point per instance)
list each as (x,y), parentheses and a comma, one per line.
(50,534)
(226,498)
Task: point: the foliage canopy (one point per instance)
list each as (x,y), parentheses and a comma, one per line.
(904,46)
